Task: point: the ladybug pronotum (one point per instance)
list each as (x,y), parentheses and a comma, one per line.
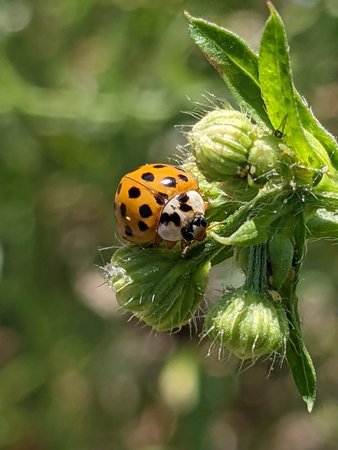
(160,202)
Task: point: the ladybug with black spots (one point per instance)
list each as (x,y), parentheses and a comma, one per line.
(160,202)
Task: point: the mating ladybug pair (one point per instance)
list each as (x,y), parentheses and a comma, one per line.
(160,202)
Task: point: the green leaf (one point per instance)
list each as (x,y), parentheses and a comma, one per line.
(313,126)
(238,66)
(281,255)
(249,233)
(301,367)
(323,224)
(235,61)
(277,87)
(298,357)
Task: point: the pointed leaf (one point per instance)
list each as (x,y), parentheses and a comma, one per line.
(230,55)
(300,364)
(323,224)
(312,124)
(277,88)
(298,357)
(234,60)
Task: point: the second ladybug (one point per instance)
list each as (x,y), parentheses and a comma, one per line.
(160,202)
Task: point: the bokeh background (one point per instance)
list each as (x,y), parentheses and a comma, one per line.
(89,89)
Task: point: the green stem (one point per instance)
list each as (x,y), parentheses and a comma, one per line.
(256,275)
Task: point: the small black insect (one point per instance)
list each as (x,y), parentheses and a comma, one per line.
(279,132)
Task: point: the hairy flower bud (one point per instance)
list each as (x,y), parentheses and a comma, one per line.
(219,205)
(248,324)
(209,190)
(220,142)
(157,286)
(265,159)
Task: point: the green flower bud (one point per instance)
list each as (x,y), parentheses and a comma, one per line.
(265,159)
(209,190)
(220,142)
(158,286)
(248,324)
(219,205)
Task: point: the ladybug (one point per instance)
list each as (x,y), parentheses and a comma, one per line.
(160,202)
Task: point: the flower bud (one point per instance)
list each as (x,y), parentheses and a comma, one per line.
(220,142)
(157,286)
(219,205)
(209,191)
(265,159)
(248,324)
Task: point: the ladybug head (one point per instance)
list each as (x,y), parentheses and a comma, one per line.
(194,230)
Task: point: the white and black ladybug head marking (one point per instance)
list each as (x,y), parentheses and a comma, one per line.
(195,230)
(183,218)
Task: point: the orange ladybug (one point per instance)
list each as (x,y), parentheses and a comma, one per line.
(160,202)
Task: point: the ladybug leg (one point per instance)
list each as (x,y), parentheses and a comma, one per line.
(185,247)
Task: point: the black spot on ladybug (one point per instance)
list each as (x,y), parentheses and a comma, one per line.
(159,200)
(190,227)
(148,176)
(183,177)
(183,198)
(145,211)
(169,181)
(187,232)
(134,192)
(185,207)
(142,226)
(165,218)
(128,231)
(123,209)
(175,218)
(159,166)
(119,188)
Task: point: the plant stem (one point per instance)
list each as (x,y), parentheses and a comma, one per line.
(256,275)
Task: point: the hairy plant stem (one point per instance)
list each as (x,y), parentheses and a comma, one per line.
(256,274)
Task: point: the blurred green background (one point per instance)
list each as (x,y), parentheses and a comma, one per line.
(89,89)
